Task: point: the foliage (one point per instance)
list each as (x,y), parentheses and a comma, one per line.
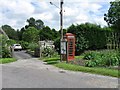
(31,35)
(38,24)
(102,58)
(3,40)
(12,34)
(56,34)
(89,55)
(46,34)
(7,60)
(20,33)
(57,45)
(4,50)
(48,52)
(32,46)
(24,44)
(10,42)
(101,71)
(71,67)
(113,15)
(89,37)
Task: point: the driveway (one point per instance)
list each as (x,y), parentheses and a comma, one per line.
(28,72)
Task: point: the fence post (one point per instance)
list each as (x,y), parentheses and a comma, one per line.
(12,51)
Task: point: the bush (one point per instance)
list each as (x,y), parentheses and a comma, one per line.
(4,47)
(111,59)
(48,52)
(24,44)
(10,42)
(6,52)
(89,55)
(102,58)
(32,46)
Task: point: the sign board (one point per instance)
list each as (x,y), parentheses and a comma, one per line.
(63,47)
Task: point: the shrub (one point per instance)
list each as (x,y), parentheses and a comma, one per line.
(4,49)
(90,64)
(89,55)
(24,44)
(32,46)
(48,52)
(102,58)
(111,59)
(6,52)
(10,42)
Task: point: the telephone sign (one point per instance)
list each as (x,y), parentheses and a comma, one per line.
(63,47)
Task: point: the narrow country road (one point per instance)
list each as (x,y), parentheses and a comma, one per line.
(28,72)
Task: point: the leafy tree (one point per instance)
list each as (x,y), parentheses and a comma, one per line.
(31,35)
(12,34)
(56,34)
(10,42)
(46,34)
(113,15)
(31,22)
(20,33)
(38,24)
(24,44)
(64,31)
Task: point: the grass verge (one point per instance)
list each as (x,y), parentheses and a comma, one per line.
(7,60)
(72,67)
(53,60)
(95,70)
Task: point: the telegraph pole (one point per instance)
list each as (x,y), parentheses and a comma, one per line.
(61,25)
(61,18)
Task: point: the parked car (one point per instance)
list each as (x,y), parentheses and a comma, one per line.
(17,47)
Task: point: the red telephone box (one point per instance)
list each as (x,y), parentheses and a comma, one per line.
(70,46)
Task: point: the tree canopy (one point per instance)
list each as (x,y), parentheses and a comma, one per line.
(113,15)
(31,35)
(48,34)
(12,34)
(38,24)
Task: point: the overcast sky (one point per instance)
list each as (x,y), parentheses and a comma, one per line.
(16,12)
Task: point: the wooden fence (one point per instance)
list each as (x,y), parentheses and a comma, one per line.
(113,40)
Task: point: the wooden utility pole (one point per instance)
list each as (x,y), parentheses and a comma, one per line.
(61,25)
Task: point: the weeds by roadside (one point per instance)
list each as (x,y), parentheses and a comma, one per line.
(7,60)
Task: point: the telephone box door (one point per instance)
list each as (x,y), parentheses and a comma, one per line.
(71,46)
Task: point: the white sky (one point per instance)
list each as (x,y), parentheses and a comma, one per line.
(16,12)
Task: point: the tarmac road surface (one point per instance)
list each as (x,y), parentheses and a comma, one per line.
(28,72)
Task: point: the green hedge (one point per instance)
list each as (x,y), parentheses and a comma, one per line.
(89,36)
